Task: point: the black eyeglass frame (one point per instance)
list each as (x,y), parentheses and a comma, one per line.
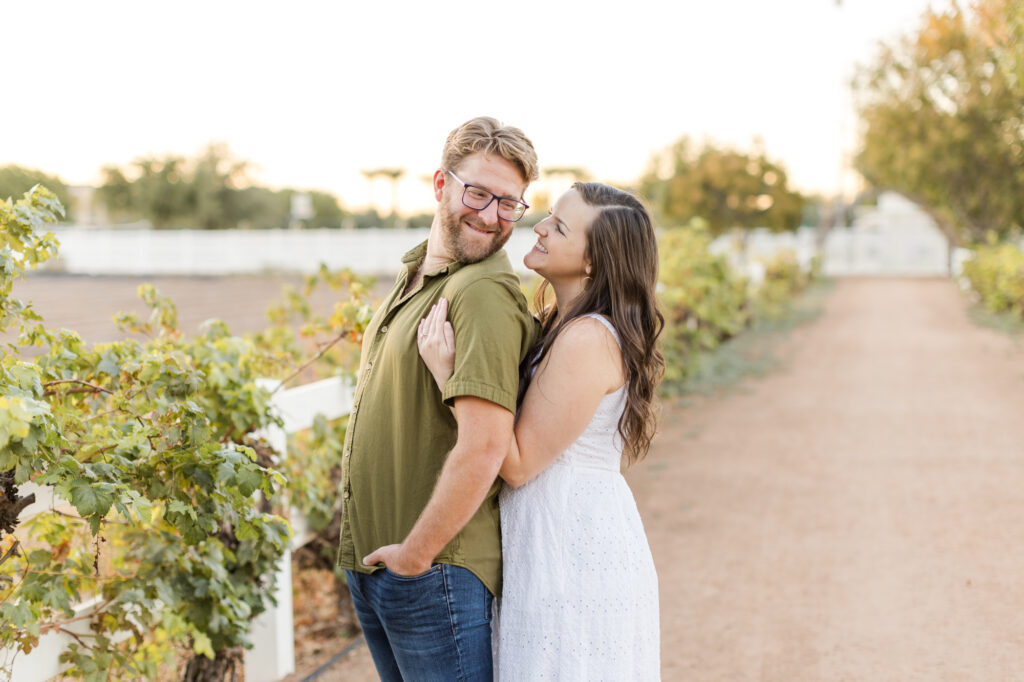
(466,186)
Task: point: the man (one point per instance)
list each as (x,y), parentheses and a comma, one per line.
(420,537)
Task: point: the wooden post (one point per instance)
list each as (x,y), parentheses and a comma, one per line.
(273,632)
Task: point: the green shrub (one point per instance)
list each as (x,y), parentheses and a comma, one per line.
(704,300)
(783,279)
(996,273)
(155,442)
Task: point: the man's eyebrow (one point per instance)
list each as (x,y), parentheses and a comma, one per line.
(500,196)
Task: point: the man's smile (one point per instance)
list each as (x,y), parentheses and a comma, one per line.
(482,230)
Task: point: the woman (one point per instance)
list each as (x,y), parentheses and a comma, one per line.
(580,594)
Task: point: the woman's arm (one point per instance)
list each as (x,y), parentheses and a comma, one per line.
(583,365)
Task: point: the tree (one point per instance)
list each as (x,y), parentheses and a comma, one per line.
(724,187)
(942,113)
(116,194)
(154,188)
(1001,25)
(261,208)
(327,212)
(394,175)
(214,178)
(16,180)
(210,191)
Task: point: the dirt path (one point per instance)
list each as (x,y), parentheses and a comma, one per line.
(859,516)
(855,516)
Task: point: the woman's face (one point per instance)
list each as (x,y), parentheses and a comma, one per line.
(558,254)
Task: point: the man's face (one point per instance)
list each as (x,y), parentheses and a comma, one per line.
(470,235)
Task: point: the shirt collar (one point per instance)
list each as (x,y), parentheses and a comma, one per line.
(414,257)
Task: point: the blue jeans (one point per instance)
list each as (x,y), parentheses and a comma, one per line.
(435,626)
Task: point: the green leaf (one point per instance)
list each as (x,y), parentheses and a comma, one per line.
(225,472)
(18,614)
(166,593)
(178,507)
(7,457)
(58,597)
(90,498)
(143,508)
(39,558)
(245,531)
(248,481)
(109,365)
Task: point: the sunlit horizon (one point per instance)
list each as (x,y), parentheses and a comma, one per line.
(313,97)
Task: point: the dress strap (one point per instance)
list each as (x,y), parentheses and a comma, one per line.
(607,323)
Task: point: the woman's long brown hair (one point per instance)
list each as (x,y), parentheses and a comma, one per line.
(623,254)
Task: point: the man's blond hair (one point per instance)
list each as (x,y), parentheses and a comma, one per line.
(490,136)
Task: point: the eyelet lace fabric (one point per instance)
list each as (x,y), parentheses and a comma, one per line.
(580,593)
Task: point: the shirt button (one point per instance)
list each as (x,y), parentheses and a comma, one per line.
(347,494)
(384,329)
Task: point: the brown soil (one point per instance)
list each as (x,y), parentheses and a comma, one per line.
(87,304)
(855,516)
(325,621)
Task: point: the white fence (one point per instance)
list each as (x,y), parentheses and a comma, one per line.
(91,251)
(911,252)
(761,245)
(908,250)
(273,654)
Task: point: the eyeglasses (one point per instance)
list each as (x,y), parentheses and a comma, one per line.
(478,198)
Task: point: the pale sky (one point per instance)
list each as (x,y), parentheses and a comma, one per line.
(313,92)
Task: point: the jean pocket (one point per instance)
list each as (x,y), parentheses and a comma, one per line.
(436,568)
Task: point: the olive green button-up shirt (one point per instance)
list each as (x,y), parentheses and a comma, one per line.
(400,429)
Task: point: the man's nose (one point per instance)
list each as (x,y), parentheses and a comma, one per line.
(489,214)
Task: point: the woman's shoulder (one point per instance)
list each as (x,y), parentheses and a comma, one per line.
(590,328)
(587,344)
(587,335)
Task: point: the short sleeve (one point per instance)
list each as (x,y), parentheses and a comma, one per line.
(492,332)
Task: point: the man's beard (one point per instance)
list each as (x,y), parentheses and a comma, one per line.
(456,244)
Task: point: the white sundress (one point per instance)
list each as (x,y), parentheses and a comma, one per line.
(580,593)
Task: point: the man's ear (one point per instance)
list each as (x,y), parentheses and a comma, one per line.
(439,181)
